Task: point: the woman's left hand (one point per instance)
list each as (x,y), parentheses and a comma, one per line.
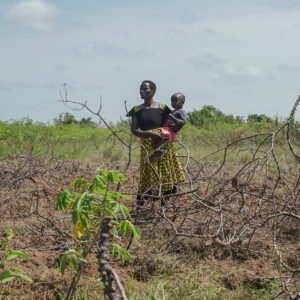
(156,137)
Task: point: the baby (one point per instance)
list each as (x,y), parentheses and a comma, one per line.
(174,123)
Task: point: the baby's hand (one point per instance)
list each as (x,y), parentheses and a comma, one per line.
(173,118)
(164,133)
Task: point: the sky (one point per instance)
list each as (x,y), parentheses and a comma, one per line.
(239,56)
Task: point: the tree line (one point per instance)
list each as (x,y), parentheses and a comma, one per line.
(206,117)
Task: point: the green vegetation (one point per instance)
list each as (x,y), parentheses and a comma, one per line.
(67,138)
(89,203)
(209,115)
(159,275)
(67,141)
(9,273)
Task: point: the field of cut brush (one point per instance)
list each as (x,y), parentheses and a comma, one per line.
(230,232)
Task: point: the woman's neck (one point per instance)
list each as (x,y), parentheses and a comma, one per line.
(149,102)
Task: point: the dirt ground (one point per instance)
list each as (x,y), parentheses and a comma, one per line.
(28,188)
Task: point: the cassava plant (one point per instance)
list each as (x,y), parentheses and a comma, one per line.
(8,273)
(90,203)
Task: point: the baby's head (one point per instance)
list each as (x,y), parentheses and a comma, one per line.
(177,100)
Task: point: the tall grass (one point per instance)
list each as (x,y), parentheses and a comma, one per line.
(73,141)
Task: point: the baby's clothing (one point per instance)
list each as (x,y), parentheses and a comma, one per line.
(173,127)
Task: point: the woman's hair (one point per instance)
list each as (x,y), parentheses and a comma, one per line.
(151,83)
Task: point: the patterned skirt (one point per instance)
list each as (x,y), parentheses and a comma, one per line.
(162,176)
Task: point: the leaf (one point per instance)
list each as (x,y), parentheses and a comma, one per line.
(62,263)
(74,216)
(83,217)
(124,210)
(63,199)
(122,252)
(111,177)
(78,255)
(8,275)
(74,264)
(13,254)
(96,184)
(80,183)
(101,177)
(10,234)
(135,231)
(78,230)
(117,207)
(125,228)
(71,255)
(127,197)
(81,258)
(23,277)
(115,231)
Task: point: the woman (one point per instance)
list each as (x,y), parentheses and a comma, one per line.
(158,178)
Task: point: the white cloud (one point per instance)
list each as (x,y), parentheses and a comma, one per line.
(238,74)
(209,31)
(60,67)
(94,49)
(245,71)
(175,32)
(14,85)
(35,14)
(220,69)
(287,68)
(206,60)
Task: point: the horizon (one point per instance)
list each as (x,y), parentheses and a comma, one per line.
(98,121)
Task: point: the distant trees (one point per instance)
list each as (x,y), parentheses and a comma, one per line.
(206,117)
(67,118)
(209,115)
(259,118)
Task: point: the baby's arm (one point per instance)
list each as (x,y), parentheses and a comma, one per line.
(177,121)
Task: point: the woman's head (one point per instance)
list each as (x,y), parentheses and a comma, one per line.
(147,89)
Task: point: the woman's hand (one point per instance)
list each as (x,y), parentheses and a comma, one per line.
(173,118)
(156,137)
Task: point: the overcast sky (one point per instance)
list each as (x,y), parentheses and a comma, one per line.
(241,56)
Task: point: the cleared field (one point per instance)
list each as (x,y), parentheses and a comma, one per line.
(231,231)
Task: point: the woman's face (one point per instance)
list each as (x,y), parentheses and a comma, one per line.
(145,91)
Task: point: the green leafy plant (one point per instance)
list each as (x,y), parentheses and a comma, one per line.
(10,254)
(89,203)
(72,255)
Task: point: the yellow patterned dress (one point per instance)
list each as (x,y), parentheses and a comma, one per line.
(160,177)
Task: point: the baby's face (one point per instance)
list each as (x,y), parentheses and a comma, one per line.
(176,102)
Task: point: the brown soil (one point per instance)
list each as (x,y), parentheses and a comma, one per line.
(27,194)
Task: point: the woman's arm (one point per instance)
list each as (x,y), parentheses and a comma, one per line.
(141,133)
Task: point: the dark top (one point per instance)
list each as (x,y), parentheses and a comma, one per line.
(180,116)
(150,118)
